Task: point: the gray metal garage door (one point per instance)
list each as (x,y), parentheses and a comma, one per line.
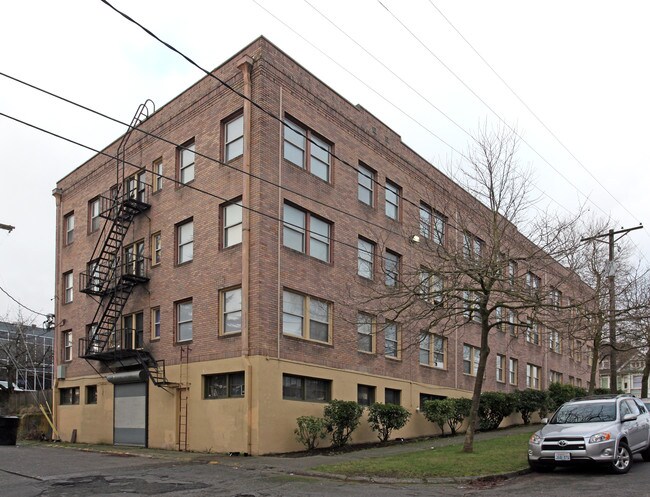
(130,414)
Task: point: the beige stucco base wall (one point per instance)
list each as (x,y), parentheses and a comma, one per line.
(261,422)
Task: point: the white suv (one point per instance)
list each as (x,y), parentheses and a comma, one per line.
(601,428)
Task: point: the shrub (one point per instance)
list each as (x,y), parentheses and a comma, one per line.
(529,401)
(310,430)
(384,418)
(462,406)
(439,411)
(559,394)
(493,407)
(342,418)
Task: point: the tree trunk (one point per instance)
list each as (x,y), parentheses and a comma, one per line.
(468,445)
(646,372)
(594,367)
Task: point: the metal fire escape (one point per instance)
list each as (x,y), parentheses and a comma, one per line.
(112,274)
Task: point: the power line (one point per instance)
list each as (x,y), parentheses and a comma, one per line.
(21,304)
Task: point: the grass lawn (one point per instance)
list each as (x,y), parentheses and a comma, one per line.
(500,455)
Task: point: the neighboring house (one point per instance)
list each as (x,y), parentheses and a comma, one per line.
(202,308)
(629,372)
(29,351)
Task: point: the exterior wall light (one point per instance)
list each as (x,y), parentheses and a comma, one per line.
(415,239)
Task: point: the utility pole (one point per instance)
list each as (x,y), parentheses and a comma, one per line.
(7,227)
(611,272)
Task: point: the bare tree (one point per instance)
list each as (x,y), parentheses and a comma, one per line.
(472,264)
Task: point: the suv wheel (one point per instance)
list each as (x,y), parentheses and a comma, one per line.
(623,459)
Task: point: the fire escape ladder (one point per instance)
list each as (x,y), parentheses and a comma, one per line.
(183,399)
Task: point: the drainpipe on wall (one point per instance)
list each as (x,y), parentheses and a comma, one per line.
(57,194)
(245,65)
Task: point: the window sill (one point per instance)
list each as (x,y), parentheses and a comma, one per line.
(391,358)
(232,247)
(367,352)
(154,339)
(298,252)
(179,264)
(431,366)
(229,334)
(308,340)
(183,342)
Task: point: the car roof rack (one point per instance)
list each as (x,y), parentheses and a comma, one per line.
(602,397)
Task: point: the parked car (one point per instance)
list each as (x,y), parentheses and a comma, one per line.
(606,429)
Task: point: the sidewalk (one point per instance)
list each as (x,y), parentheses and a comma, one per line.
(291,464)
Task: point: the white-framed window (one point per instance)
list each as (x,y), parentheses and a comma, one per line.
(392,200)
(500,368)
(184,321)
(554,377)
(532,332)
(365,332)
(234,138)
(66,352)
(533,282)
(391,339)
(471,357)
(68,223)
(513,373)
(186,158)
(306,233)
(512,272)
(68,287)
(532,376)
(224,386)
(232,224)
(554,342)
(472,246)
(365,258)
(155,323)
(433,350)
(94,220)
(156,248)
(555,297)
(185,239)
(307,150)
(231,307)
(366,189)
(391,268)
(431,286)
(157,174)
(307,389)
(306,317)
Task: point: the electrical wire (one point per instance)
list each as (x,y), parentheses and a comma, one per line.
(21,304)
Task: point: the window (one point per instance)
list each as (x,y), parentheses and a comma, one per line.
(554,341)
(156,249)
(513,376)
(512,272)
(432,224)
(391,268)
(186,157)
(185,239)
(305,316)
(366,180)
(501,364)
(66,352)
(232,224)
(94,344)
(533,282)
(472,246)
(498,318)
(69,396)
(93,215)
(554,377)
(431,286)
(556,298)
(511,323)
(439,227)
(426,215)
(134,259)
(391,340)
(297,223)
(92,280)
(532,332)
(471,305)
(184,321)
(68,287)
(157,175)
(532,376)
(304,388)
(135,186)
(91,394)
(392,200)
(471,356)
(366,395)
(234,138)
(392,396)
(68,222)
(433,350)
(365,258)
(306,150)
(133,331)
(425,397)
(155,323)
(231,311)
(365,335)
(223,386)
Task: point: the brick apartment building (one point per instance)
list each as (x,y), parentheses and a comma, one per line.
(185,320)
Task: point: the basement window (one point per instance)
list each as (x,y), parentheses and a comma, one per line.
(223,386)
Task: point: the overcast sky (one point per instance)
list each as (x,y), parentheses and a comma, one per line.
(581,66)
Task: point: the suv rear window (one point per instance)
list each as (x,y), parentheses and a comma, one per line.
(592,412)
